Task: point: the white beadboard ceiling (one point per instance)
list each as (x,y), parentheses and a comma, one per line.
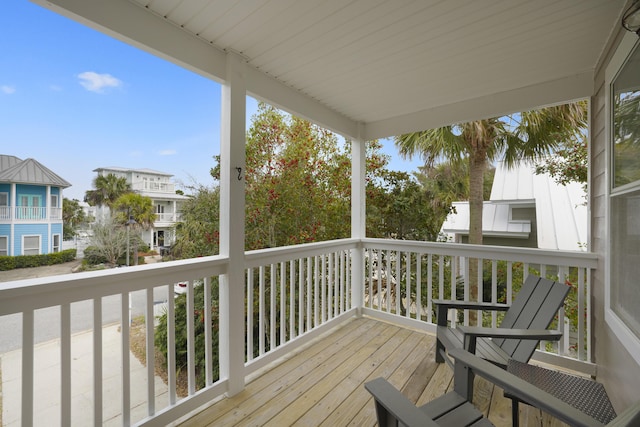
(376,68)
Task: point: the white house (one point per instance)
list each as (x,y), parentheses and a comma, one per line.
(157,186)
(526,210)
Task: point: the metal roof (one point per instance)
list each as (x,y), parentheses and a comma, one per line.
(375,68)
(561,210)
(28,171)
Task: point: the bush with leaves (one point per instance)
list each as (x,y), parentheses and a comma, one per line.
(199,326)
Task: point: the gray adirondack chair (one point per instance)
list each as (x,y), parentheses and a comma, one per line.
(520,331)
(456,409)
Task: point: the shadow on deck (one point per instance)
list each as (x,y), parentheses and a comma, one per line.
(322,384)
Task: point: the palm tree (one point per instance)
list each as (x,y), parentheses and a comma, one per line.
(520,137)
(134,211)
(107,189)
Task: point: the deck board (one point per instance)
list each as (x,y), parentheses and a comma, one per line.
(323,383)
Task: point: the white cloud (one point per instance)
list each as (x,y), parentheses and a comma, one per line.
(167,152)
(8,90)
(95,82)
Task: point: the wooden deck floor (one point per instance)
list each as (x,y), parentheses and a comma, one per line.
(322,384)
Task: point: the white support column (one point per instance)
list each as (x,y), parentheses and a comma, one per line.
(48,210)
(232,203)
(358,220)
(13,208)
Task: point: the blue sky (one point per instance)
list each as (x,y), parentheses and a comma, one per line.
(75,100)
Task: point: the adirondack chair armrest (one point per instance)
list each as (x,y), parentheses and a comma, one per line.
(395,405)
(471,334)
(444,305)
(628,418)
(465,361)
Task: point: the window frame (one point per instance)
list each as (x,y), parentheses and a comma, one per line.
(6,249)
(39,237)
(623,333)
(56,248)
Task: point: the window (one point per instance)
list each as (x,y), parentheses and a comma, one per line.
(623,293)
(56,243)
(54,200)
(31,245)
(4,246)
(4,206)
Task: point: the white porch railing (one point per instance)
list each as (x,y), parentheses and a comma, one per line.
(293,294)
(153,186)
(168,217)
(29,213)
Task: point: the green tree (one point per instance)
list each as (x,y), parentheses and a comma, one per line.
(107,189)
(525,136)
(72,217)
(135,212)
(298,181)
(109,240)
(198,232)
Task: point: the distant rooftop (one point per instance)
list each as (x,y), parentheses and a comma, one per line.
(127,170)
(29,171)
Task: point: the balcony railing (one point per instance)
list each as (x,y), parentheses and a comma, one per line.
(292,295)
(168,217)
(154,187)
(30,214)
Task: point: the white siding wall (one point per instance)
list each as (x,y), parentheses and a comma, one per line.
(614,363)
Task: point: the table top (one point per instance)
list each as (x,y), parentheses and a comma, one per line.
(584,394)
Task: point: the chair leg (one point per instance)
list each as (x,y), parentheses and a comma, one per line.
(439,352)
(515,413)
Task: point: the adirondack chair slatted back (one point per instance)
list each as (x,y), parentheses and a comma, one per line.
(534,307)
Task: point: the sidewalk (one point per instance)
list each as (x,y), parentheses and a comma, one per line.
(47,382)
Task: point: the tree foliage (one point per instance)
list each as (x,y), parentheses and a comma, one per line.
(106,190)
(198,232)
(109,240)
(72,216)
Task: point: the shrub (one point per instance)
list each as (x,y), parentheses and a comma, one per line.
(181,332)
(26,261)
(93,256)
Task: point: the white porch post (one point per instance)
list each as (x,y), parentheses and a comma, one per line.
(358,220)
(232,201)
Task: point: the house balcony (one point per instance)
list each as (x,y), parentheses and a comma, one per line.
(154,187)
(320,320)
(167,218)
(29,214)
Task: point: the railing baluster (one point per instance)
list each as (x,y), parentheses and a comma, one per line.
(494,292)
(309,295)
(418,287)
(273,289)
(316,290)
(301,296)
(323,301)
(250,314)
(292,296)
(429,288)
(150,353)
(171,346)
(283,303)
(261,320)
(27,367)
(126,370)
(191,359)
(97,361)
(208,336)
(65,363)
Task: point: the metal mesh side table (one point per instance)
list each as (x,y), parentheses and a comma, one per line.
(584,394)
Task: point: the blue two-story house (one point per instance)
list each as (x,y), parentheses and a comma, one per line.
(30,207)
